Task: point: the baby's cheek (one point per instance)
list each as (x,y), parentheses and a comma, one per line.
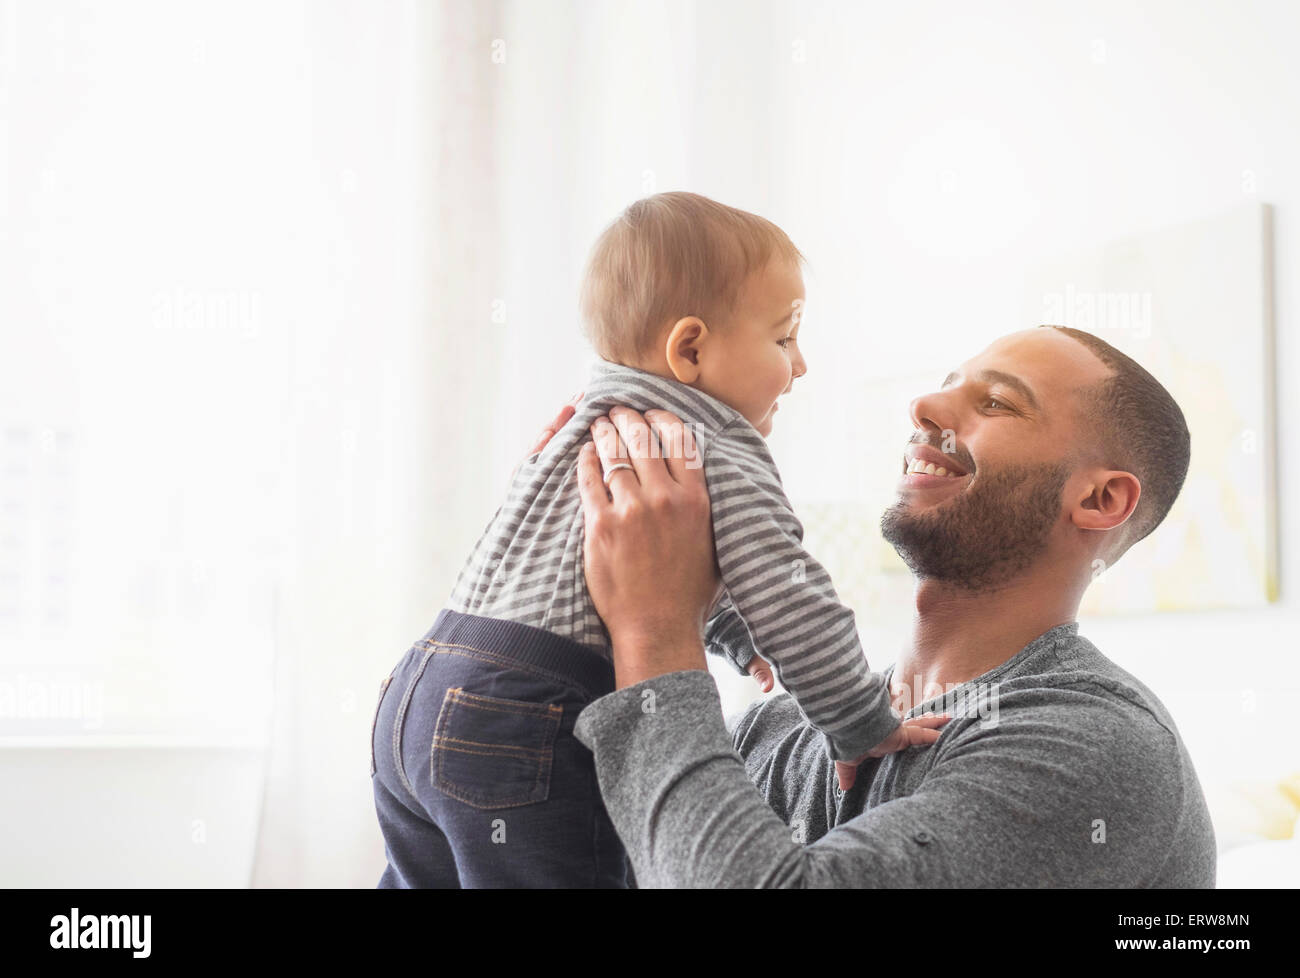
(781,375)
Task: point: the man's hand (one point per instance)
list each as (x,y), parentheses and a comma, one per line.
(912,732)
(549,431)
(648,543)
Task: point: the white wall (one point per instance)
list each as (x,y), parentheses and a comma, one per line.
(933,152)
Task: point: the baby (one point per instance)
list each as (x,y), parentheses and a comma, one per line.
(694,307)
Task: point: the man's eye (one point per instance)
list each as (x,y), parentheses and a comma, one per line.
(997,403)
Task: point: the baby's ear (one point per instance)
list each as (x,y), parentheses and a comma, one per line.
(682,348)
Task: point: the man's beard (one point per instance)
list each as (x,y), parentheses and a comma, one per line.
(986,534)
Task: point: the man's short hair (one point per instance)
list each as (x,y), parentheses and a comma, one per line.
(1140,429)
(668,256)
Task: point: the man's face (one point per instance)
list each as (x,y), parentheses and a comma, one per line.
(1005,427)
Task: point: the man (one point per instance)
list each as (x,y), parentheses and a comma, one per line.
(1058,453)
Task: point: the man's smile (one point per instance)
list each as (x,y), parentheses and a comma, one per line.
(924,467)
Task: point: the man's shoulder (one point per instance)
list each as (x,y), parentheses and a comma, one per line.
(1075,679)
(1076,706)
(765,717)
(773,728)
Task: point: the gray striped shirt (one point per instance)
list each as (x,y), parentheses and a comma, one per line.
(780,603)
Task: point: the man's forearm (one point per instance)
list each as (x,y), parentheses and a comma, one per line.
(664,651)
(677,791)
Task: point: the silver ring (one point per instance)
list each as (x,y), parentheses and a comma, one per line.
(614,468)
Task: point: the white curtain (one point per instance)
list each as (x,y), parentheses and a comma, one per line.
(239,360)
(391,393)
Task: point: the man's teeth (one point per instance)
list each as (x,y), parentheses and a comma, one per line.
(928,468)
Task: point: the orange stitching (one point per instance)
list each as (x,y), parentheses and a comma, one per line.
(456,696)
(426,642)
(501,750)
(491,703)
(498,659)
(544,758)
(493,658)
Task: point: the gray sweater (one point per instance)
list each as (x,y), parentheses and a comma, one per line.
(1063,771)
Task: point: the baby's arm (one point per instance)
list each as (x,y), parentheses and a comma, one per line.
(786,600)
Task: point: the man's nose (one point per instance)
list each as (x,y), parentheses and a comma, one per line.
(933,411)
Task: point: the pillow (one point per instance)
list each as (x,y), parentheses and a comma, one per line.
(1270,864)
(1252,811)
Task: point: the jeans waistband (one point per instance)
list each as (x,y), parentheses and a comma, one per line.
(562,657)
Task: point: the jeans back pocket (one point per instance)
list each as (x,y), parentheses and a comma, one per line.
(494,753)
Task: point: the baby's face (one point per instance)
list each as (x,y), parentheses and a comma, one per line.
(755,356)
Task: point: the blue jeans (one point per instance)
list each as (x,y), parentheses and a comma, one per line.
(478,779)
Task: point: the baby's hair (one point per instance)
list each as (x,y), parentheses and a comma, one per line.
(668,256)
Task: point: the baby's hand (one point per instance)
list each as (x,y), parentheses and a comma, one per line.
(912,732)
(762,672)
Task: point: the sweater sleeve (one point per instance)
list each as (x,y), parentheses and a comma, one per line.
(727,636)
(1069,791)
(790,611)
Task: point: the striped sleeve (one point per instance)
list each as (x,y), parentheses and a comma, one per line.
(786,599)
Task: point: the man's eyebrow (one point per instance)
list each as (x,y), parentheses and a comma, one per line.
(1001,377)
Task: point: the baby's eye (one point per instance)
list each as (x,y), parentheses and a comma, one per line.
(784,342)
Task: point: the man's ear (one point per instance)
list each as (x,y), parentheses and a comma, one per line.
(682,348)
(1107,500)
